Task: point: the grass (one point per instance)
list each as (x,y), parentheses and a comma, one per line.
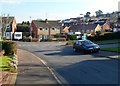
(115,49)
(4,63)
(70,42)
(107,41)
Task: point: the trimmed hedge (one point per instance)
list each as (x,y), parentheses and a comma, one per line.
(106,36)
(35,39)
(9,47)
(72,37)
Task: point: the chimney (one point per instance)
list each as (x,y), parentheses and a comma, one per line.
(46,21)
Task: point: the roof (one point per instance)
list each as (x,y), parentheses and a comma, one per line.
(41,23)
(85,27)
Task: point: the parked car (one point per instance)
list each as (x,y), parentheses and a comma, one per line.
(85,46)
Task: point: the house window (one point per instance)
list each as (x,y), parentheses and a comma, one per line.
(46,29)
(40,28)
(53,28)
(58,28)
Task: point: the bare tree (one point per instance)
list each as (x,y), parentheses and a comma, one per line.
(5,23)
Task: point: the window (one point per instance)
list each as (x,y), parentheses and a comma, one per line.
(53,28)
(46,29)
(58,28)
(40,28)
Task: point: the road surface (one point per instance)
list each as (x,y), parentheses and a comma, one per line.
(74,68)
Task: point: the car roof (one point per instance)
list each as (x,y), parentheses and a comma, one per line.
(82,40)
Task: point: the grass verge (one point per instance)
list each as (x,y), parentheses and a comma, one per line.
(70,42)
(107,41)
(4,64)
(115,49)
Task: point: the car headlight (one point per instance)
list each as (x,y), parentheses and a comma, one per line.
(97,47)
(90,48)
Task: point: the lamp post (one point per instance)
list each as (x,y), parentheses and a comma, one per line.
(49,33)
(82,22)
(84,35)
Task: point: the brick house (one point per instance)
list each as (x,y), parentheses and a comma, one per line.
(88,28)
(82,28)
(45,28)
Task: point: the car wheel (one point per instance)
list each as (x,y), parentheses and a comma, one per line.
(74,50)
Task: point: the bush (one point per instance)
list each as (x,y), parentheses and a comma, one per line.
(59,36)
(34,39)
(106,36)
(72,37)
(9,47)
(26,39)
(70,42)
(61,39)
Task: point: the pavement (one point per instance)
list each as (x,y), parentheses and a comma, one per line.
(32,70)
(109,54)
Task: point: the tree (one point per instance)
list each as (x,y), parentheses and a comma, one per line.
(98,13)
(87,14)
(5,22)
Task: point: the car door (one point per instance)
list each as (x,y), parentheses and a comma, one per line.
(79,46)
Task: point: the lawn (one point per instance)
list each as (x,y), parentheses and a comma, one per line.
(4,63)
(107,41)
(70,42)
(115,49)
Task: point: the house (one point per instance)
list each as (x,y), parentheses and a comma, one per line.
(98,28)
(0,27)
(45,28)
(106,26)
(82,28)
(88,28)
(8,26)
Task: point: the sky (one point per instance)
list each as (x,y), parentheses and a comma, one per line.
(27,10)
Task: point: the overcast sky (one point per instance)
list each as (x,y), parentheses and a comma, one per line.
(54,9)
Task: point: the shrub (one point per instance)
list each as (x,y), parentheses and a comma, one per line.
(26,39)
(34,39)
(70,42)
(9,47)
(61,39)
(72,37)
(106,36)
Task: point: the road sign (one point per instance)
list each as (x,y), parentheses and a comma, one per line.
(18,35)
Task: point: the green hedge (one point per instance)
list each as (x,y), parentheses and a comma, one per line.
(72,37)
(106,36)
(35,39)
(9,47)
(61,39)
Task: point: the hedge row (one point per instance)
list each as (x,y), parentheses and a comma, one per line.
(9,47)
(106,36)
(72,37)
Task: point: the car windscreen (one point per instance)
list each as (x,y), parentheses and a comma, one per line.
(86,42)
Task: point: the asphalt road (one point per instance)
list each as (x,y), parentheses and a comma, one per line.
(75,68)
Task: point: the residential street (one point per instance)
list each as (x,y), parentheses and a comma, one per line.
(70,67)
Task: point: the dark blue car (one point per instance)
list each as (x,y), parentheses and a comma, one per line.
(85,46)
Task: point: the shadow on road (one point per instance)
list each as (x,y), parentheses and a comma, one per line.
(66,51)
(91,72)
